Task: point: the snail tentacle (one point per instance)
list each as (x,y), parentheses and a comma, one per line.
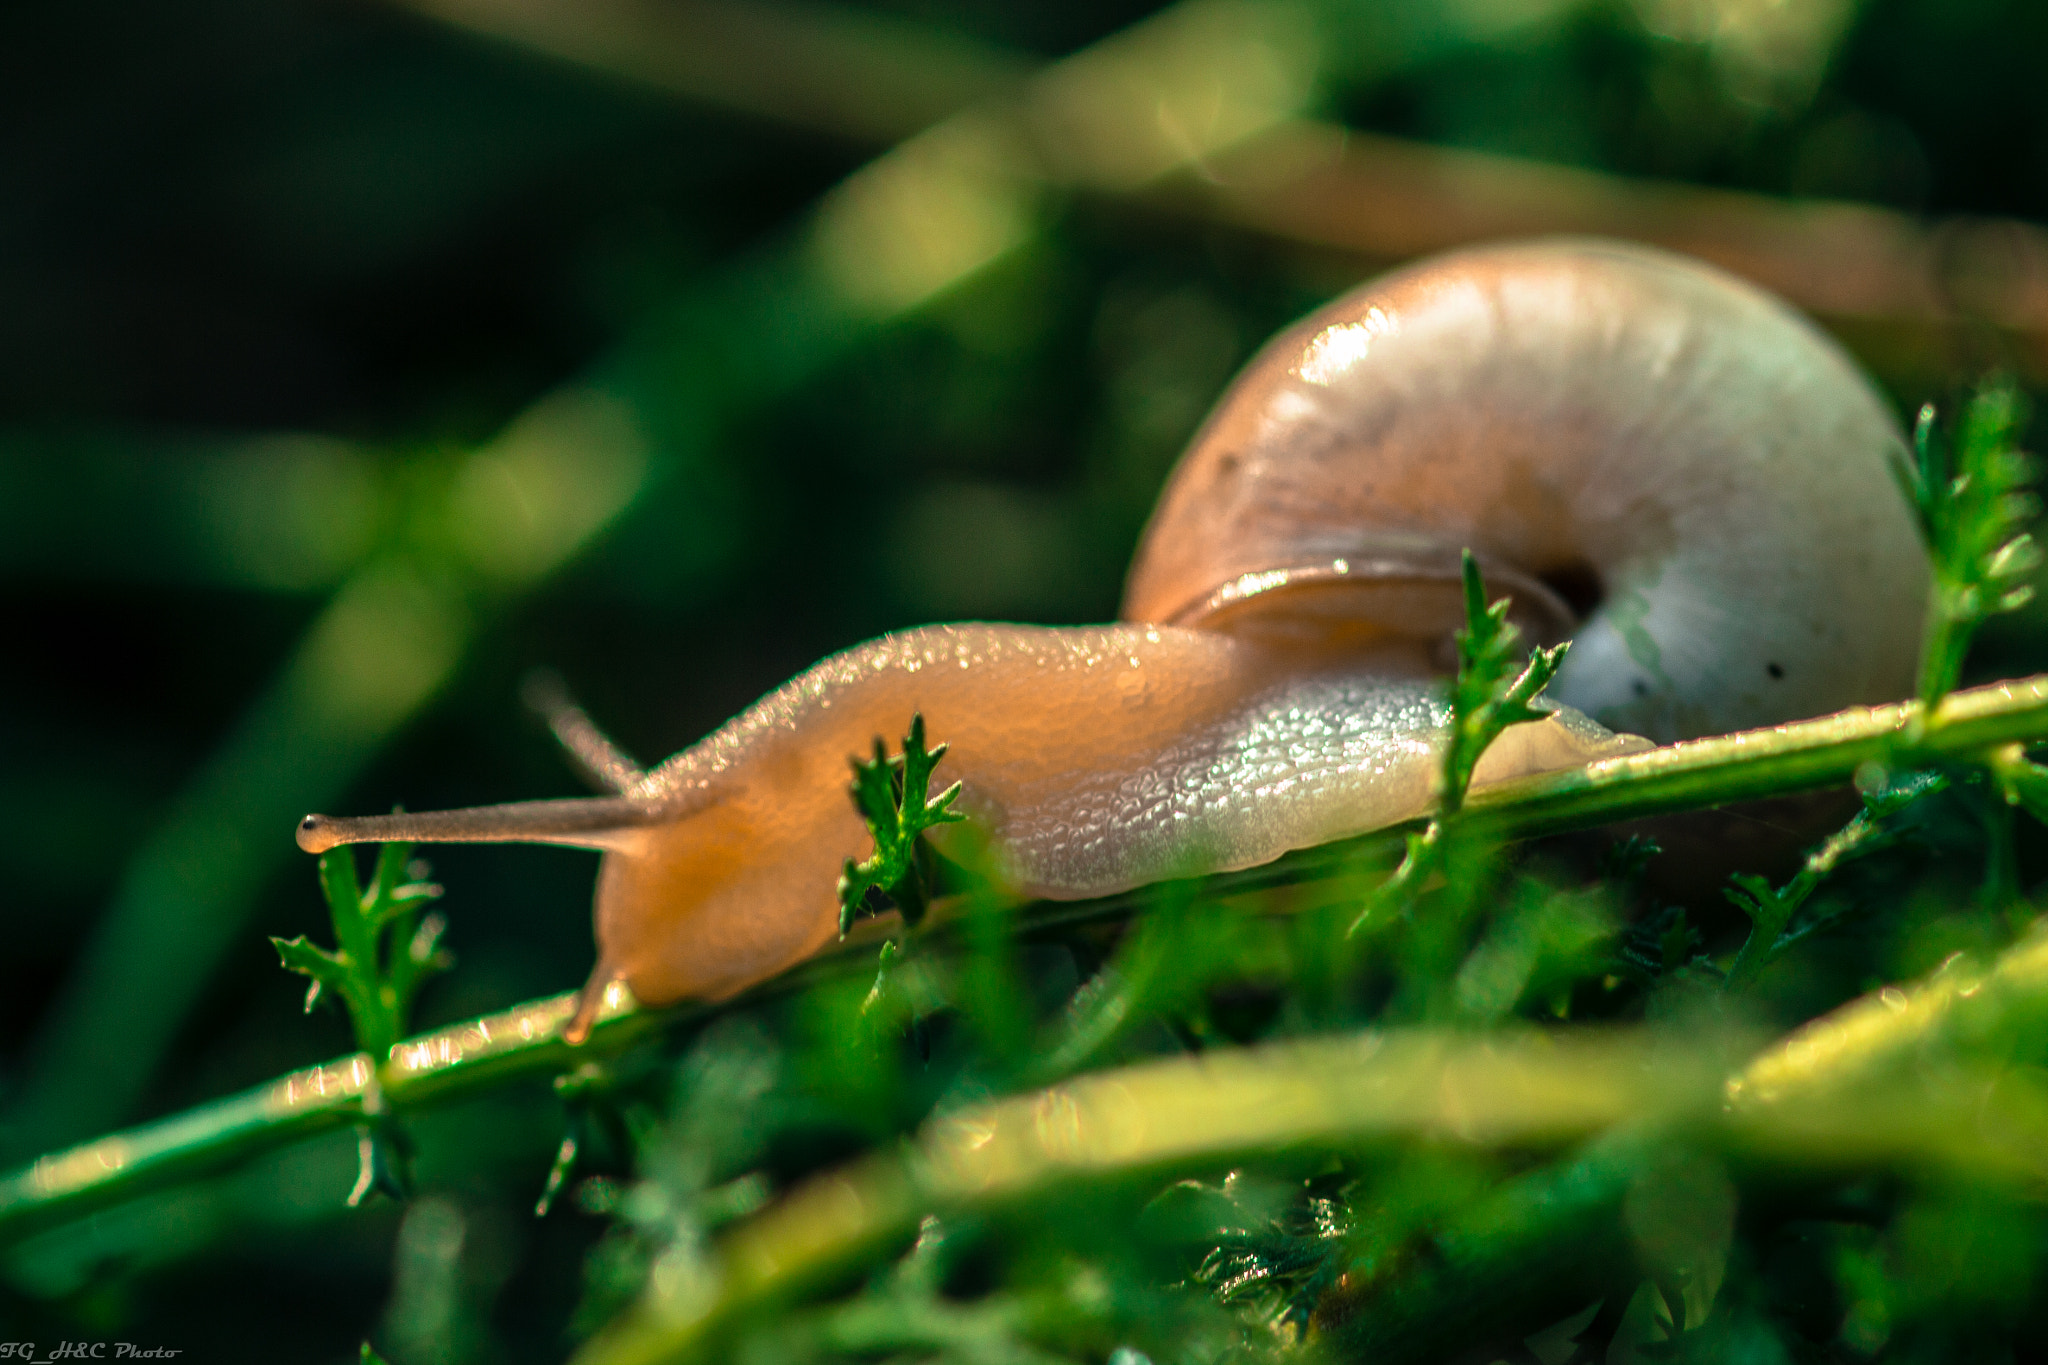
(593,751)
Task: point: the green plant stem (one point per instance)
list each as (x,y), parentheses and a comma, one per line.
(215,1136)
(470,1057)
(1754,764)
(1488,695)
(1969,490)
(1832,1095)
(1943,641)
(1771,909)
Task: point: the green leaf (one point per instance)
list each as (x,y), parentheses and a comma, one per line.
(424,950)
(891,796)
(1755,897)
(385,948)
(328,971)
(383,1163)
(1971,495)
(400,901)
(1627,859)
(559,1173)
(1484,702)
(302,955)
(1771,909)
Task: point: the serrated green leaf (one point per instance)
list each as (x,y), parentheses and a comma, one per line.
(1971,495)
(891,796)
(385,950)
(1484,702)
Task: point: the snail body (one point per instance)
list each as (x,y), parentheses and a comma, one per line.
(1647,455)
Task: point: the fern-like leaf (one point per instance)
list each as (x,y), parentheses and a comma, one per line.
(891,795)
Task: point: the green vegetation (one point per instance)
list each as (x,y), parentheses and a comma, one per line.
(1466,1170)
(892,796)
(1771,909)
(358,360)
(388,949)
(1973,504)
(1485,700)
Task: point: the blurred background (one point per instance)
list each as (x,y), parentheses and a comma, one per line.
(358,358)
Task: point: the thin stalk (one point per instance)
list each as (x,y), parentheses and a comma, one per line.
(1779,760)
(475,1056)
(1771,909)
(302,1104)
(1488,695)
(1943,641)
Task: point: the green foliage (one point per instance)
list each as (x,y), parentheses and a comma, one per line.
(1489,693)
(387,947)
(415,302)
(1274,1252)
(1487,696)
(1771,910)
(1406,1252)
(1055,1307)
(891,794)
(1402,1246)
(1969,493)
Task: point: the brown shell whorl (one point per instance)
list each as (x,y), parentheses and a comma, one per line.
(1619,434)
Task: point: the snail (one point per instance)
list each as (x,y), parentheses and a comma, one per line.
(1649,456)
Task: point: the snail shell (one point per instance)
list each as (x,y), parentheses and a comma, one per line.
(1650,456)
(1674,453)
